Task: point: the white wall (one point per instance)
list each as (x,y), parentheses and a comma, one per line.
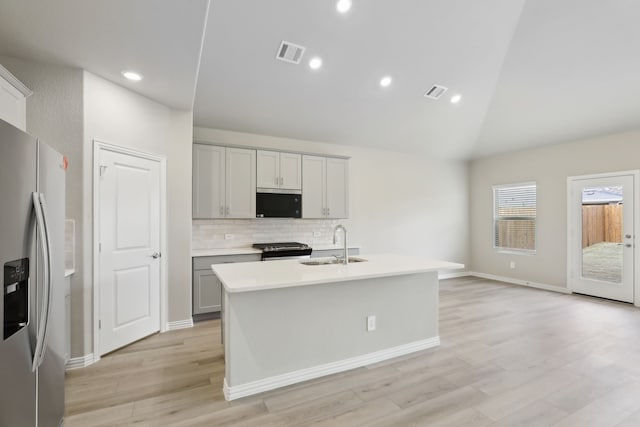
(399,202)
(119,116)
(550,167)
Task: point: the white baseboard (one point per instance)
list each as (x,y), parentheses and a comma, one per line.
(180,324)
(453,275)
(255,387)
(80,362)
(521,282)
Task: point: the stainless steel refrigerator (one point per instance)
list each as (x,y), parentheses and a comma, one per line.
(32,200)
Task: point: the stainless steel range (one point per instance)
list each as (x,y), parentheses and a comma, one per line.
(283,250)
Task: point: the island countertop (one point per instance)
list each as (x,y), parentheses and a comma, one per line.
(257,276)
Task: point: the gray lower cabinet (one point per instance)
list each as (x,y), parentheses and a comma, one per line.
(207,289)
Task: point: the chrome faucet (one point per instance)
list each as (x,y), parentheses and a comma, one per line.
(345,257)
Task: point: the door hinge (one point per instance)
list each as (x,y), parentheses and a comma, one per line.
(99,247)
(99,324)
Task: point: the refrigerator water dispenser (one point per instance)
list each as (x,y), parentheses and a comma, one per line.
(16,296)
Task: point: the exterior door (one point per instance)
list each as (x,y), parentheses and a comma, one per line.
(602,235)
(129,263)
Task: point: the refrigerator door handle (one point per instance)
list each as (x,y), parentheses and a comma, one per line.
(43,234)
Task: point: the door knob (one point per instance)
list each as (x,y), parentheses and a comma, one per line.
(628,245)
(627,236)
(155,255)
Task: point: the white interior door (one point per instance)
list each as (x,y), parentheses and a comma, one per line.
(602,236)
(129,248)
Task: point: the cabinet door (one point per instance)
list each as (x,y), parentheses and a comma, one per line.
(337,188)
(241,183)
(313,187)
(268,169)
(208,181)
(206,292)
(291,171)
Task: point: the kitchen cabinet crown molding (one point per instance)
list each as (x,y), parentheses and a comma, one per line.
(13,81)
(264,148)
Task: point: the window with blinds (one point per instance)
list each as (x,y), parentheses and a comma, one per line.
(514,217)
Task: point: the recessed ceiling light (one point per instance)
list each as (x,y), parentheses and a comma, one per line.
(385,81)
(343,6)
(132,75)
(315,63)
(456,98)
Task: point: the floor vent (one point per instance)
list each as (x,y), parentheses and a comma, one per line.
(290,52)
(435,92)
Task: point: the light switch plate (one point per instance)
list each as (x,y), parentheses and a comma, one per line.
(371,323)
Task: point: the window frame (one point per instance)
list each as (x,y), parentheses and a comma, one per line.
(503,249)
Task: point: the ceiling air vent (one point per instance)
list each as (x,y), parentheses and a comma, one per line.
(435,92)
(290,52)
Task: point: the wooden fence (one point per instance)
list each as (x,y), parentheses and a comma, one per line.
(516,234)
(601,223)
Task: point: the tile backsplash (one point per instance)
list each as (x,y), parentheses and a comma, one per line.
(210,234)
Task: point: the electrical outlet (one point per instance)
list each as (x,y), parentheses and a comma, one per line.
(228,236)
(371,323)
(512,264)
(317,234)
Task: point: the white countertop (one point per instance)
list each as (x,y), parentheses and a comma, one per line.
(250,250)
(257,276)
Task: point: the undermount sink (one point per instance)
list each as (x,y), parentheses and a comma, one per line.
(327,261)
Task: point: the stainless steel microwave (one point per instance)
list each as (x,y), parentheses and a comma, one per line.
(278,205)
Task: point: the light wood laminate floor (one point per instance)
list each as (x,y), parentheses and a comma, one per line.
(510,356)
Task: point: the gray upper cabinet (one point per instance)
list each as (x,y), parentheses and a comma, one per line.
(278,170)
(325,187)
(224,182)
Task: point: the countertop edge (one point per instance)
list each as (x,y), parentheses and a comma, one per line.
(445,265)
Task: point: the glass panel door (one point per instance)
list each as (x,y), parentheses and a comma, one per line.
(601,216)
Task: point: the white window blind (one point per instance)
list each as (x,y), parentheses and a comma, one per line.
(514,217)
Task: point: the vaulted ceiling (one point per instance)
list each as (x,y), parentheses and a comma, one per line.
(530,72)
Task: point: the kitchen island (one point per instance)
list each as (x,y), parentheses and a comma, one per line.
(285,322)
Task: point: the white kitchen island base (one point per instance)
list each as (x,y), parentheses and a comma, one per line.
(284,335)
